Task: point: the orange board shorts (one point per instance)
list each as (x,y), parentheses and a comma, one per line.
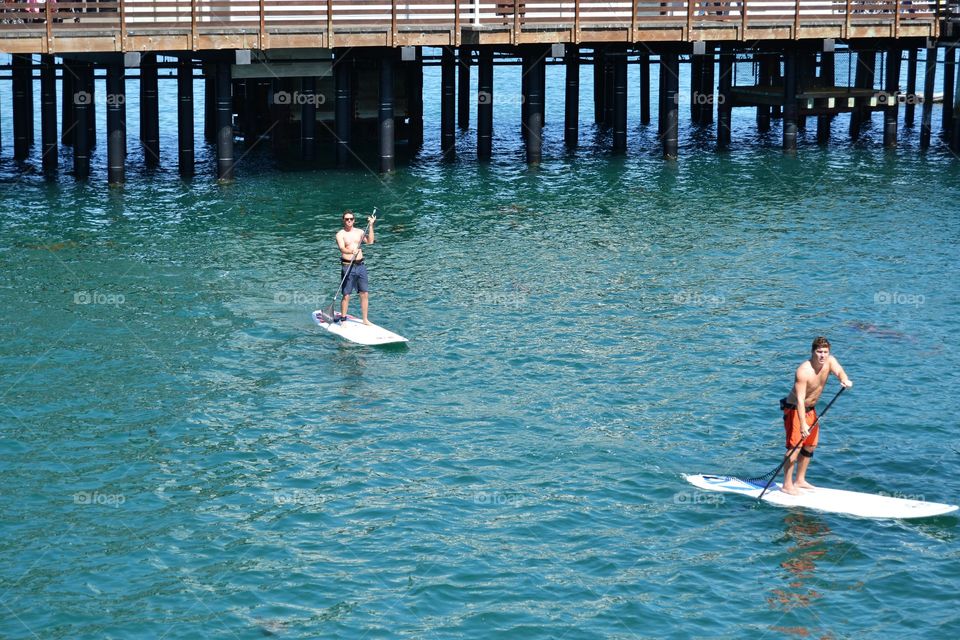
(791,424)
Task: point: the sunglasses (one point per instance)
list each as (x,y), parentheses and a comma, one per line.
(348,219)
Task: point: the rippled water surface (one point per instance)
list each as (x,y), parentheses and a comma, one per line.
(185,454)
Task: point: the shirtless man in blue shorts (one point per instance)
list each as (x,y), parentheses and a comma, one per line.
(354,276)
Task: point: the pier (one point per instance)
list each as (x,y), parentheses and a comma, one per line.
(317,77)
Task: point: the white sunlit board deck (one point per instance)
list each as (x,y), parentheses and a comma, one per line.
(853,503)
(354,330)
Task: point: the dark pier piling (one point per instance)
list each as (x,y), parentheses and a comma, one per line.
(150,110)
(48,113)
(343,117)
(224,121)
(571,106)
(116,99)
(385,114)
(448,101)
(534,102)
(949,78)
(618,62)
(670,103)
(82,106)
(185,142)
(892,103)
(485,105)
(464,57)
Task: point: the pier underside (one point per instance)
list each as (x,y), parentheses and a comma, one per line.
(336,77)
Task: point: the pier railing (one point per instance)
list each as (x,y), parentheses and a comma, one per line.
(78,25)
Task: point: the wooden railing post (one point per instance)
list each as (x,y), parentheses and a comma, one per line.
(123,25)
(330,24)
(633,21)
(796,20)
(846,26)
(576,21)
(49,13)
(456,23)
(516,23)
(896,20)
(743,19)
(936,19)
(393,23)
(193,24)
(263,27)
(690,5)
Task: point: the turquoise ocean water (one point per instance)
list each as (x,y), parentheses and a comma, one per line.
(185,454)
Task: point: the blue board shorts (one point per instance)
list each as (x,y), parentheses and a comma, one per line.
(356,280)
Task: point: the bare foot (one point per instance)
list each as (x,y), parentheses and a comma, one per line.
(803,484)
(793,491)
(367,322)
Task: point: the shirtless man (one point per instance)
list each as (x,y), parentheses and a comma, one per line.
(354,276)
(799,414)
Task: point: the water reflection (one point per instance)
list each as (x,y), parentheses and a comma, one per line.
(807,534)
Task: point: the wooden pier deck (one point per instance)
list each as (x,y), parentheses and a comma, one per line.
(81,26)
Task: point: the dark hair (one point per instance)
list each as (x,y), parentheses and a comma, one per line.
(346,213)
(818,342)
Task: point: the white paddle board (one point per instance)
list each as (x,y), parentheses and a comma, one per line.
(853,503)
(354,330)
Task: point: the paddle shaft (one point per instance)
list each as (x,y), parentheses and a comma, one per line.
(816,424)
(350,266)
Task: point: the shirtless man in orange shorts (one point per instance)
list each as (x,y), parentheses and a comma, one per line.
(799,414)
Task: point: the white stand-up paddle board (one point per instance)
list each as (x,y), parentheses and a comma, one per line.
(853,503)
(354,330)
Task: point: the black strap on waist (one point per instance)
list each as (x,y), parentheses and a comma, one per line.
(784,405)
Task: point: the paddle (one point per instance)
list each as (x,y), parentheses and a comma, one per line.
(329,310)
(816,423)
